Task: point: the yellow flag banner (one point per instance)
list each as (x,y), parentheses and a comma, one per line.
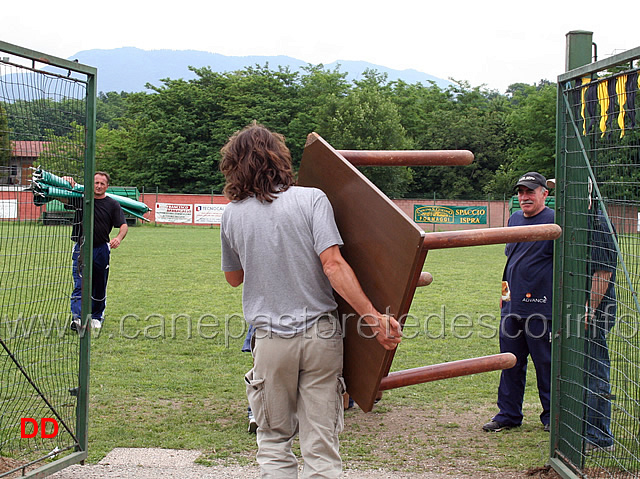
(609,101)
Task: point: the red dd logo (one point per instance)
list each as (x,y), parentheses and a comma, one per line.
(34,425)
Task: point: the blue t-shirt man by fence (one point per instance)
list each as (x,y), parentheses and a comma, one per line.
(525,324)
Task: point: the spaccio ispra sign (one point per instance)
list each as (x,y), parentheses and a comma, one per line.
(450,215)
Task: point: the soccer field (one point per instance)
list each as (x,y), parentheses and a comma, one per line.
(167,370)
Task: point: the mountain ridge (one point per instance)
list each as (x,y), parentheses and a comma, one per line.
(151,66)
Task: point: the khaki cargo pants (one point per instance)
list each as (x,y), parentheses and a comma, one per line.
(296,387)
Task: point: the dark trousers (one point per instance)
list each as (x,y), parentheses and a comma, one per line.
(597,378)
(524,338)
(101,255)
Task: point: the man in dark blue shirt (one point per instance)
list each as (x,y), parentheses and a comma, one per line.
(600,318)
(525,326)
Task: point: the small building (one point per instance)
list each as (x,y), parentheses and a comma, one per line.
(24,154)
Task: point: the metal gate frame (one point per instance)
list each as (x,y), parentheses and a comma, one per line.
(566,455)
(88,75)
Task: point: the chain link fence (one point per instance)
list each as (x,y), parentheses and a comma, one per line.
(46,106)
(596,378)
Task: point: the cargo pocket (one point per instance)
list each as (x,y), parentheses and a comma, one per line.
(339,405)
(256,397)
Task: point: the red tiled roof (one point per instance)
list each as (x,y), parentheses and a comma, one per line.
(28,149)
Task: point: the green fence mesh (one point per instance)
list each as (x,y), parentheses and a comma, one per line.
(597,344)
(43,116)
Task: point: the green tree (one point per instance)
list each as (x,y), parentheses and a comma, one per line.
(171,138)
(168,143)
(502,183)
(367,119)
(531,129)
(174,135)
(458,118)
(5,141)
(110,108)
(319,93)
(270,97)
(64,155)
(533,125)
(5,146)
(28,119)
(112,147)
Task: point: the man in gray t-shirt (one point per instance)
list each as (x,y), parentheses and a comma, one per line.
(298,225)
(282,243)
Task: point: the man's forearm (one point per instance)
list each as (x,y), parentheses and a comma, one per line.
(115,242)
(344,281)
(124,229)
(599,286)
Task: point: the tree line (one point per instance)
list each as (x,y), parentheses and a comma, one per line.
(170,136)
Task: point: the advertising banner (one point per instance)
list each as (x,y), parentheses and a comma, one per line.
(208,214)
(451,215)
(174,213)
(9,209)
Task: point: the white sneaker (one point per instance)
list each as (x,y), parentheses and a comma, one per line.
(96,324)
(253,425)
(75,324)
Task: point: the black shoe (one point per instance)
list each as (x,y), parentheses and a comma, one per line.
(590,448)
(547,428)
(495,426)
(75,325)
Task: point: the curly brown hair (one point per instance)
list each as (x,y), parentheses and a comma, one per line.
(256,162)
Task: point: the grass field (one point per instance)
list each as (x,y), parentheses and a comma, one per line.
(167,370)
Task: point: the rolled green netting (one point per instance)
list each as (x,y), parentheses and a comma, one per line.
(133,207)
(47,186)
(44,177)
(47,193)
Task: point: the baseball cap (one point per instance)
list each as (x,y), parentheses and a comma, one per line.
(532,180)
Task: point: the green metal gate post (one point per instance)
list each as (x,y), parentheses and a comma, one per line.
(566,431)
(579,43)
(595,159)
(87,252)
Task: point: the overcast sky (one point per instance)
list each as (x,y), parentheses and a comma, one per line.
(493,42)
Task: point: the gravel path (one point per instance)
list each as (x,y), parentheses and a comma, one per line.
(126,463)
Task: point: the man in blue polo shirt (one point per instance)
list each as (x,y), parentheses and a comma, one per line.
(525,326)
